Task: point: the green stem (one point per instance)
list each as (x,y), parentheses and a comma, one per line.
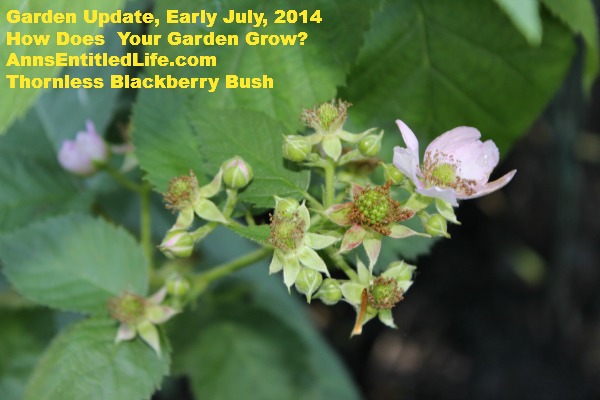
(201,281)
(230,203)
(146,224)
(122,179)
(342,264)
(249,218)
(329,195)
(316,204)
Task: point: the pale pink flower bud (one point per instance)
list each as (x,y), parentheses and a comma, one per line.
(237,173)
(82,155)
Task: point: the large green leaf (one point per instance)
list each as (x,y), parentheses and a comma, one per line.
(322,375)
(14,102)
(23,336)
(257,139)
(240,352)
(85,363)
(33,183)
(580,17)
(73,262)
(526,17)
(164,141)
(303,75)
(441,64)
(258,233)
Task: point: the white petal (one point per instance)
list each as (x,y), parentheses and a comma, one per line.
(276,264)
(208,211)
(477,160)
(409,137)
(352,292)
(213,187)
(309,258)
(124,333)
(453,140)
(352,238)
(446,194)
(318,242)
(387,318)
(332,146)
(364,274)
(159,296)
(492,186)
(149,334)
(372,244)
(291,267)
(407,162)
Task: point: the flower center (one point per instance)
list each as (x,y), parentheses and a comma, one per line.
(374,205)
(128,307)
(181,190)
(384,294)
(327,113)
(287,232)
(444,174)
(442,170)
(374,208)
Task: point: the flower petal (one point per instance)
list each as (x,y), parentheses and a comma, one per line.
(454,139)
(352,238)
(149,334)
(124,333)
(160,314)
(318,242)
(412,144)
(355,189)
(159,296)
(340,214)
(364,274)
(372,244)
(354,137)
(276,263)
(491,186)
(477,160)
(449,195)
(213,187)
(332,146)
(400,231)
(208,211)
(445,209)
(387,318)
(291,267)
(309,258)
(304,215)
(402,273)
(352,292)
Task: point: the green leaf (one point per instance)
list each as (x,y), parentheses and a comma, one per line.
(525,15)
(303,75)
(580,17)
(326,377)
(34,185)
(164,140)
(257,233)
(436,68)
(23,337)
(73,262)
(243,344)
(14,102)
(257,139)
(84,362)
